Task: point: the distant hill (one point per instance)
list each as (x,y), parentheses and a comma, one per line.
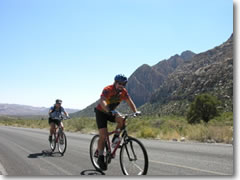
(86,112)
(170,86)
(24,110)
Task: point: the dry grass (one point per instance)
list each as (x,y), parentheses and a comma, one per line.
(219,129)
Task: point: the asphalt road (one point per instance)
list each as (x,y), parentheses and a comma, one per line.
(21,154)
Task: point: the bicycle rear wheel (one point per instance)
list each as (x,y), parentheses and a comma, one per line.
(62,143)
(133,158)
(94,151)
(53,143)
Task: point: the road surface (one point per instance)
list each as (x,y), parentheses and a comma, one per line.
(21,154)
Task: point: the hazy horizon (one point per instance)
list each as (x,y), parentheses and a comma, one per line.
(37,106)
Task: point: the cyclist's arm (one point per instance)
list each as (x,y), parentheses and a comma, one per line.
(131,104)
(50,111)
(66,114)
(103,104)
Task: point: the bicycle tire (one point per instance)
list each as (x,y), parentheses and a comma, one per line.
(62,151)
(92,151)
(125,147)
(53,143)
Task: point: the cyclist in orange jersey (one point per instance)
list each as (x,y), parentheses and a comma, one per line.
(111,97)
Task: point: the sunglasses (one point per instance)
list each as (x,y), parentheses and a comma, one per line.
(122,84)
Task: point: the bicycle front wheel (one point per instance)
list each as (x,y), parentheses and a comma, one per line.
(53,143)
(62,143)
(133,158)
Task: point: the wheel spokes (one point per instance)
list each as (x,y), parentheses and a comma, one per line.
(62,143)
(137,166)
(132,159)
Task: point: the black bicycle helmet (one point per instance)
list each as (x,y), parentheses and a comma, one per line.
(58,101)
(121,78)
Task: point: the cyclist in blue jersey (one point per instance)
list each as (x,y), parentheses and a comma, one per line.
(55,116)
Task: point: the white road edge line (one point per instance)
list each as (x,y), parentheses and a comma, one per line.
(2,170)
(191,168)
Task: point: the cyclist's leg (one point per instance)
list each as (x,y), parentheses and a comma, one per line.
(101,119)
(52,126)
(61,125)
(119,120)
(116,119)
(101,143)
(52,129)
(102,136)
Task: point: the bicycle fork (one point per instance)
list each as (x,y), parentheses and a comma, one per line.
(132,150)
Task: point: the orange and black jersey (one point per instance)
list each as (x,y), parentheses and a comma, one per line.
(113,97)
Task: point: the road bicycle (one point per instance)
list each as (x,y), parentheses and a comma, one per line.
(133,155)
(59,139)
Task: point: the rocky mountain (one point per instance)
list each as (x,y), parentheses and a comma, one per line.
(170,86)
(207,72)
(146,79)
(23,110)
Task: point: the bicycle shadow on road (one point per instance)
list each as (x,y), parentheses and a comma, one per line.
(44,153)
(92,172)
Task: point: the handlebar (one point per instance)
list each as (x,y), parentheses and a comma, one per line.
(128,115)
(61,118)
(132,115)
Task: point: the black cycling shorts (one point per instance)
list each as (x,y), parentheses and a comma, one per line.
(55,121)
(102,119)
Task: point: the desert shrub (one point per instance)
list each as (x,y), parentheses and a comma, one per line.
(204,107)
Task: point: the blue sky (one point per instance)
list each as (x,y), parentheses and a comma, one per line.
(72,49)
